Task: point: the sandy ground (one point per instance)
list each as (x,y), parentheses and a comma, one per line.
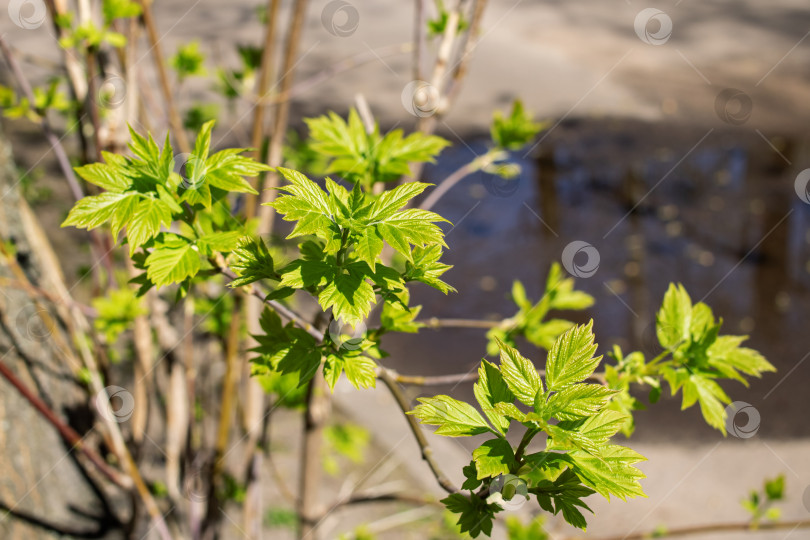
(565,60)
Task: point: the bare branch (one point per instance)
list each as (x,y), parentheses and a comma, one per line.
(427,451)
(165,86)
(68,434)
(435,322)
(715,528)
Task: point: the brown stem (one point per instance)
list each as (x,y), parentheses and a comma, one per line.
(263,88)
(419,38)
(53,140)
(435,380)
(470,41)
(434,322)
(713,528)
(282,115)
(144,353)
(427,451)
(116,439)
(157,54)
(92,103)
(68,434)
(318,409)
(458,175)
(228,388)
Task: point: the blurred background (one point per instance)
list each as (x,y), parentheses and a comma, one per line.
(675,146)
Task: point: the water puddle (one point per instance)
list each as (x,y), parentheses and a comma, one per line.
(714,209)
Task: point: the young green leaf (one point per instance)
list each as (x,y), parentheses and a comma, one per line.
(252,262)
(491,389)
(577,401)
(494,457)
(475,515)
(516,130)
(349,295)
(674,319)
(453,417)
(172,263)
(711,397)
(424,266)
(519,374)
(571,358)
(288,350)
(612,473)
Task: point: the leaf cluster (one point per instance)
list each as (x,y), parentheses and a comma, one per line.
(579,458)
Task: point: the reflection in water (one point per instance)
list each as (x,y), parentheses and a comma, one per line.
(715,210)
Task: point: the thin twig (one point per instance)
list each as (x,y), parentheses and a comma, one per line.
(53,140)
(459,174)
(160,63)
(470,41)
(263,87)
(282,118)
(427,451)
(68,434)
(435,322)
(714,528)
(428,380)
(419,38)
(309,486)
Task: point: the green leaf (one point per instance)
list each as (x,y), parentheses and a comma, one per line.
(775,489)
(108,176)
(519,374)
(425,267)
(674,319)
(119,9)
(146,221)
(226,170)
(612,474)
(188,60)
(564,494)
(252,262)
(389,202)
(600,427)
(491,389)
(360,370)
(368,247)
(565,437)
(711,397)
(516,130)
(396,316)
(510,410)
(305,273)
(364,158)
(219,241)
(286,349)
(494,457)
(305,203)
(571,358)
(577,401)
(172,264)
(454,418)
(726,354)
(411,227)
(544,334)
(471,481)
(95,210)
(349,295)
(475,515)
